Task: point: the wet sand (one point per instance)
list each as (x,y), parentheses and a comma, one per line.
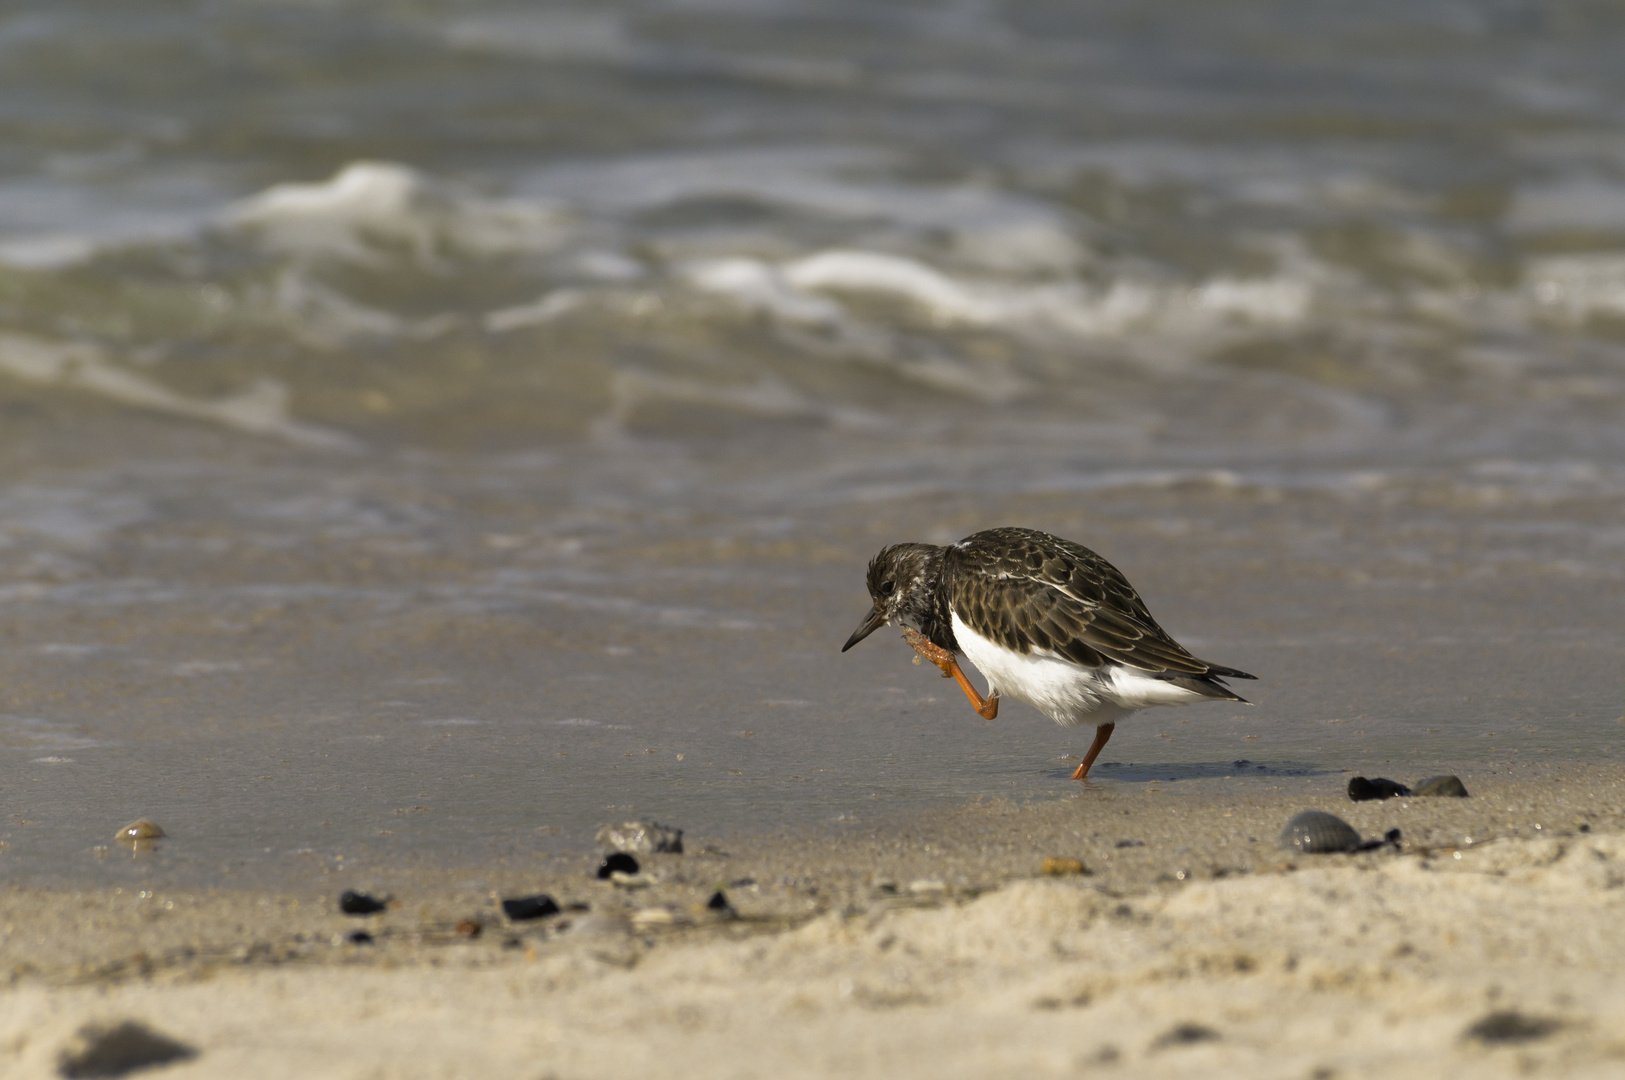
(934,946)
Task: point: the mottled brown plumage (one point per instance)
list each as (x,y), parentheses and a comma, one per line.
(1046,620)
(1027,590)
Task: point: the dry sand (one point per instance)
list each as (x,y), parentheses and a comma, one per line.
(933,947)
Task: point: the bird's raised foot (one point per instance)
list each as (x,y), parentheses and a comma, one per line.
(986,707)
(931,651)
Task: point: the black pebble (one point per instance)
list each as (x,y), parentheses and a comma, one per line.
(1184,1035)
(359,937)
(1511,1027)
(1131,843)
(359,903)
(1391,836)
(618,863)
(1363,790)
(718,902)
(521,908)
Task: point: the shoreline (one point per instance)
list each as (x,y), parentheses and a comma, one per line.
(932,946)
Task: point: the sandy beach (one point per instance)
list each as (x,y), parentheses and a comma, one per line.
(432,432)
(1487,940)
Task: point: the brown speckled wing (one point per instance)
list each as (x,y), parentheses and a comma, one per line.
(1029,590)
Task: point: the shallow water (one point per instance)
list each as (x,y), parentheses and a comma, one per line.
(428,431)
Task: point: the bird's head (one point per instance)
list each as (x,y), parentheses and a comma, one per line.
(902,582)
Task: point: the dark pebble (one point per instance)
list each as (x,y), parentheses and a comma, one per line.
(1508,1026)
(1447,786)
(521,908)
(119,1049)
(1317,832)
(618,863)
(1184,1035)
(359,903)
(1363,790)
(359,937)
(469,928)
(1241,764)
(1131,843)
(718,902)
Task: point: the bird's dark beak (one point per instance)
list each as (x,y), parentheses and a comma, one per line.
(872,622)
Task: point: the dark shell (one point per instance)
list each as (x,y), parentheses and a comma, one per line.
(1448,786)
(1315,832)
(1512,1027)
(359,903)
(521,908)
(113,1051)
(618,863)
(140,829)
(1363,790)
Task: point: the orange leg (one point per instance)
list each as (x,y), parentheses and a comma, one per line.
(986,708)
(1102,733)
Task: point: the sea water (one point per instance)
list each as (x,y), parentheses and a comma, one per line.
(430,430)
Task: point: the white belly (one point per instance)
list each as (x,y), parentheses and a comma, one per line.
(1066,692)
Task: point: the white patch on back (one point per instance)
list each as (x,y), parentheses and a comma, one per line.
(1067,693)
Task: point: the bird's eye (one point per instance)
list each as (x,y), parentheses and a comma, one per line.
(887,586)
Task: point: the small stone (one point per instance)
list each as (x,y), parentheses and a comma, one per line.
(359,937)
(1317,832)
(1363,790)
(1057,867)
(469,928)
(927,887)
(359,903)
(1508,1026)
(654,916)
(140,834)
(719,905)
(1446,786)
(618,863)
(1130,843)
(522,908)
(1184,1035)
(99,1050)
(641,838)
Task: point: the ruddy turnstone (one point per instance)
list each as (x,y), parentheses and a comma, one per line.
(1049,622)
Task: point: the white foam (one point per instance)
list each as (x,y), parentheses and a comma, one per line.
(371,206)
(1576,286)
(1125,307)
(261,409)
(1282,301)
(762,287)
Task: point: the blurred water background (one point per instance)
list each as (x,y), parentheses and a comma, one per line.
(430,429)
